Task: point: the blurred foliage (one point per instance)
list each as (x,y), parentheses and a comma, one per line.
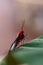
(30,53)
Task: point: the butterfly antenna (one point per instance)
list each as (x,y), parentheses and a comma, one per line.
(22,24)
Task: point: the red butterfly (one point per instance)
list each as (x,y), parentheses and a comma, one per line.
(18,39)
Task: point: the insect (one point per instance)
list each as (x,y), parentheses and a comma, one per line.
(18,39)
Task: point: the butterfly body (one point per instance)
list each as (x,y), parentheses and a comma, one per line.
(19,38)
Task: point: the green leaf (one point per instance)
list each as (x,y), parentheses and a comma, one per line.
(30,53)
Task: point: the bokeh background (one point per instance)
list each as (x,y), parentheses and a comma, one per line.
(12,13)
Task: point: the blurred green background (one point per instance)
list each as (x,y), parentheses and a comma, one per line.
(30,53)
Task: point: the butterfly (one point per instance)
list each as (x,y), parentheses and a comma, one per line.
(19,38)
